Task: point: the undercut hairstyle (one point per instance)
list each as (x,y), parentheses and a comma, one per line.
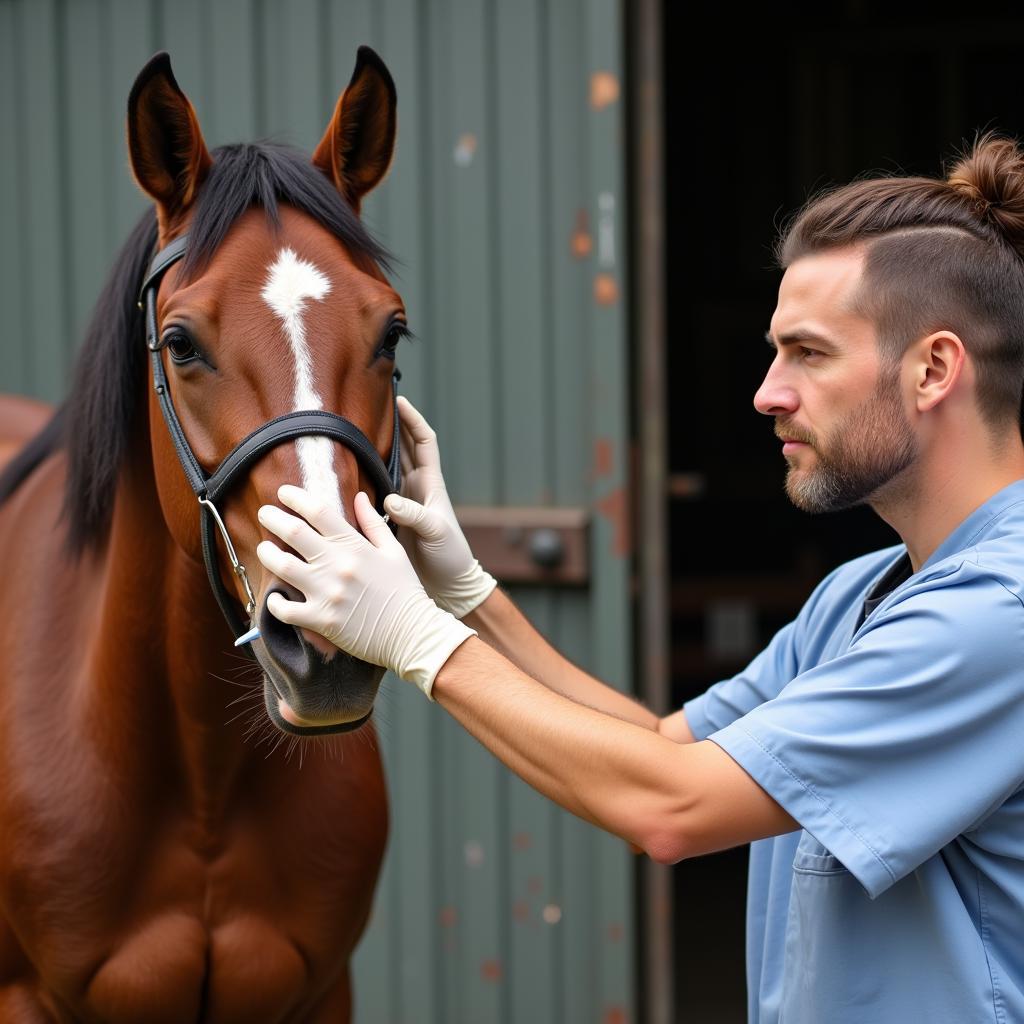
(940,253)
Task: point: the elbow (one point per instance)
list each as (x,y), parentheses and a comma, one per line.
(663,828)
(665,846)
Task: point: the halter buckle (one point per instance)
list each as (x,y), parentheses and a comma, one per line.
(236,565)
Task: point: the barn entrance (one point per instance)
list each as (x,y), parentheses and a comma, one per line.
(755,121)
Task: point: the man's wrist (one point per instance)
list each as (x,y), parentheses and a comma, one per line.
(468,663)
(437,634)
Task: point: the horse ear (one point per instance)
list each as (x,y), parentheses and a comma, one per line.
(168,155)
(357,147)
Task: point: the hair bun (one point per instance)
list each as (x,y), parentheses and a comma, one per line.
(991,178)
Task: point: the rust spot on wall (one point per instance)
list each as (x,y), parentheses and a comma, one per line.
(473,852)
(582,243)
(606,291)
(604,89)
(615,933)
(520,910)
(535,885)
(522,840)
(603,450)
(552,913)
(447,916)
(465,149)
(615,1015)
(490,970)
(615,509)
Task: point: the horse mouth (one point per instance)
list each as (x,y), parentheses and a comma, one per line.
(273,698)
(271,701)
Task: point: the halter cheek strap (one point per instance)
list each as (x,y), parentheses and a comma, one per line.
(210,489)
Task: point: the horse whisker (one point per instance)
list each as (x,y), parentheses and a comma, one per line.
(256,670)
(280,740)
(232,682)
(255,724)
(238,657)
(253,694)
(244,711)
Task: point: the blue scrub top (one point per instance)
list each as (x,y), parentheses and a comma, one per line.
(898,745)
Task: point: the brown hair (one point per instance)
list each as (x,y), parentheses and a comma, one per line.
(940,254)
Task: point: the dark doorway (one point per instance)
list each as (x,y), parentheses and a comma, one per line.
(760,112)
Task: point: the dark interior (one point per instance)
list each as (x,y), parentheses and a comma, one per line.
(758,116)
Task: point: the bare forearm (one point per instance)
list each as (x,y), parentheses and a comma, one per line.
(671,800)
(502,626)
(610,772)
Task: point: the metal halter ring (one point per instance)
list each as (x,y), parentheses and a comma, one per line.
(236,565)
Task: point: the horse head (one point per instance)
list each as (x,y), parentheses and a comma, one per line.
(279,305)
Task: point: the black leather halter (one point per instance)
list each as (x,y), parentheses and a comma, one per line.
(210,489)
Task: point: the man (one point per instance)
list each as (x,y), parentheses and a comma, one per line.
(874,751)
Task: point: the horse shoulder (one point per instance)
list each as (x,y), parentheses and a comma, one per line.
(47,605)
(21,418)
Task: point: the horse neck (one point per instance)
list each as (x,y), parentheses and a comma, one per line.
(164,660)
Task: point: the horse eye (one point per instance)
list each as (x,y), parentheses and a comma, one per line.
(181,348)
(395,334)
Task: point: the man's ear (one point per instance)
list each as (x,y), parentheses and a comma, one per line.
(940,359)
(359,142)
(165,146)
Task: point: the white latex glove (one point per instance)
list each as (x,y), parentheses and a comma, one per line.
(361,593)
(434,540)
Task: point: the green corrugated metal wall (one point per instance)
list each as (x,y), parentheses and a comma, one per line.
(494,905)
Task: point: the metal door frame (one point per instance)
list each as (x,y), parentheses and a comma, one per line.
(643,24)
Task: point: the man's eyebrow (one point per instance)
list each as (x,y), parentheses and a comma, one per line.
(800,334)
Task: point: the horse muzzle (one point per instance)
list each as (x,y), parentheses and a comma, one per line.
(326,694)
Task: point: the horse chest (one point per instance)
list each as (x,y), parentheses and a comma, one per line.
(173,969)
(156,933)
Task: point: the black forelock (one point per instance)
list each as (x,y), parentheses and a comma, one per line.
(266,174)
(97,420)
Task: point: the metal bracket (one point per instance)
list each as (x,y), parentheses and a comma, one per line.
(538,545)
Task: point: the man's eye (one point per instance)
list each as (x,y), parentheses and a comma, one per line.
(805,352)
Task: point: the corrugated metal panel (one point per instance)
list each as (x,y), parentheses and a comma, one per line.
(494,905)
(14,375)
(42,201)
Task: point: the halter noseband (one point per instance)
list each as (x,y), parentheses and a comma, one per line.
(210,489)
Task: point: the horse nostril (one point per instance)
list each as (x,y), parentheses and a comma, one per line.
(327,691)
(284,641)
(292,646)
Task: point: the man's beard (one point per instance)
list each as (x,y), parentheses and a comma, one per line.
(871,446)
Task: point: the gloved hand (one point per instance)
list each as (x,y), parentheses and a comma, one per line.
(361,593)
(434,540)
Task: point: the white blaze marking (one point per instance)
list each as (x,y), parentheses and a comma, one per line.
(290,283)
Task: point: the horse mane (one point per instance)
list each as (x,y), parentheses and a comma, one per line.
(97,420)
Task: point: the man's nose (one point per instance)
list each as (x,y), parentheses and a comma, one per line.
(775,396)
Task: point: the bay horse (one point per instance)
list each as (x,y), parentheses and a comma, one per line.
(157,864)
